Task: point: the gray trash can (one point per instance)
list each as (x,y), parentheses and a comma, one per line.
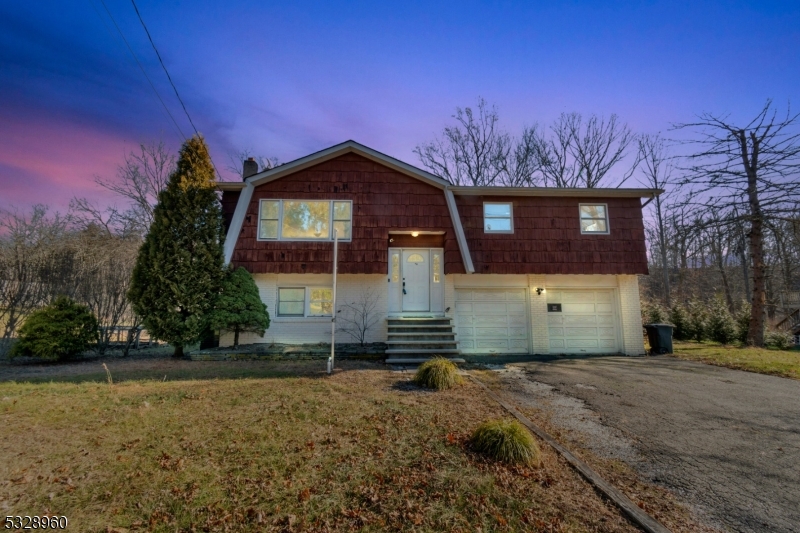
(660,338)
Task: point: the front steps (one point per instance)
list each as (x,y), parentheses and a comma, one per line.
(414,340)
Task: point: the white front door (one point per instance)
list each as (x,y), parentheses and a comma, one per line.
(416,271)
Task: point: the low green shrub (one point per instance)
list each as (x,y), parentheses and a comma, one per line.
(507,441)
(679,318)
(721,325)
(779,339)
(742,318)
(62,330)
(697,325)
(438,373)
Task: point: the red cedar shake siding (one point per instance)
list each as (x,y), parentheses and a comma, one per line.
(547,238)
(383,200)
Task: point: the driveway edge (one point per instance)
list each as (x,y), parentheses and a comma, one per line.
(631,510)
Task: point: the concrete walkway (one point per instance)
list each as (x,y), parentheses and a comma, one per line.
(727,442)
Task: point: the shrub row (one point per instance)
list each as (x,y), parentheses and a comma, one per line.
(698,321)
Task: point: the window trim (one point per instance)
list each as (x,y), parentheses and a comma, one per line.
(580,218)
(280,238)
(511,217)
(306,302)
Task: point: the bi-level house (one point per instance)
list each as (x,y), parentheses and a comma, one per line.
(452,269)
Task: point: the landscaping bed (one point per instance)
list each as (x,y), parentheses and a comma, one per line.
(774,361)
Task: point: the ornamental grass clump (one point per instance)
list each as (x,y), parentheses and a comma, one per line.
(507,441)
(438,373)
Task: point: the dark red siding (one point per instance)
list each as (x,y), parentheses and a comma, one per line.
(383,200)
(547,238)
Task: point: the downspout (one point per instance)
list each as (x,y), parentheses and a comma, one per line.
(459,229)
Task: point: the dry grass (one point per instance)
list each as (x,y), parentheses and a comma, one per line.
(363,450)
(784,363)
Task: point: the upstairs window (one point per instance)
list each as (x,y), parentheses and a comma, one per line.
(498,217)
(594,218)
(305,220)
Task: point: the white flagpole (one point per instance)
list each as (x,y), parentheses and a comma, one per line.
(333,310)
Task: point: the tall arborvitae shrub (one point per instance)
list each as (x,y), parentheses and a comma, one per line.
(239,307)
(179,270)
(679,317)
(697,325)
(721,325)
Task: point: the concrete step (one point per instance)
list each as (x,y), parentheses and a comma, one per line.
(421,351)
(433,337)
(421,343)
(416,360)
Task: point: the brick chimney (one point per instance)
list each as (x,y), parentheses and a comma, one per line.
(249,168)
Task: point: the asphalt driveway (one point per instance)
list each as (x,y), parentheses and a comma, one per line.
(727,442)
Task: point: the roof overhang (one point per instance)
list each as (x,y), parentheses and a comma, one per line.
(555,191)
(346,147)
(231,185)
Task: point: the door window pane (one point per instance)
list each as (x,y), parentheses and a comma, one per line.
(306,220)
(395,267)
(415,258)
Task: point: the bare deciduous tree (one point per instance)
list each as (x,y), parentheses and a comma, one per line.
(657,170)
(357,318)
(751,174)
(582,153)
(477,152)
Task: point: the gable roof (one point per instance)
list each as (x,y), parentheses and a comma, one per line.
(346,147)
(449,190)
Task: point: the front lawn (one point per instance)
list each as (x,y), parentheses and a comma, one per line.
(284,448)
(784,363)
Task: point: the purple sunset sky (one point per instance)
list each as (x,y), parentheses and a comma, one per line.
(287,79)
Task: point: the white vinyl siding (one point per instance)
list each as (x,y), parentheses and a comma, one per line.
(492,320)
(587,322)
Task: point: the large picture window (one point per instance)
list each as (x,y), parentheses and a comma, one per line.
(305,301)
(594,218)
(305,220)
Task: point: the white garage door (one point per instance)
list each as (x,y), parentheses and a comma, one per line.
(492,320)
(582,321)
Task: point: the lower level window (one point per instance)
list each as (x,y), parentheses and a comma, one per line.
(305,301)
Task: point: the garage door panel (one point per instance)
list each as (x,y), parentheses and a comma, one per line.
(580,320)
(497,320)
(497,344)
(578,308)
(587,322)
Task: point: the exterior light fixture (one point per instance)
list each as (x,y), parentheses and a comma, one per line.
(415,234)
(539,291)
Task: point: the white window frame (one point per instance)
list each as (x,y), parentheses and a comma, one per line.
(511,217)
(280,220)
(580,219)
(306,302)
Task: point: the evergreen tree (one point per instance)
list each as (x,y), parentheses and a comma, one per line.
(721,325)
(62,330)
(239,307)
(179,270)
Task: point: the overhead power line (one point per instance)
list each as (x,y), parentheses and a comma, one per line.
(136,59)
(170,79)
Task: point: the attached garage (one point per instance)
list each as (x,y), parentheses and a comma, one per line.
(492,320)
(582,321)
